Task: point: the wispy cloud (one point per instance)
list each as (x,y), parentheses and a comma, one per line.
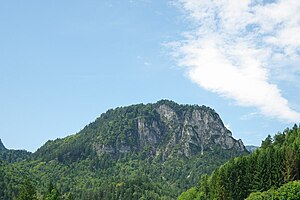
(144,61)
(249,116)
(237,46)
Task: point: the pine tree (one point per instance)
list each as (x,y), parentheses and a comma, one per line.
(27,191)
(52,193)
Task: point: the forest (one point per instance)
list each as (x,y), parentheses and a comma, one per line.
(271,172)
(126,178)
(77,167)
(152,167)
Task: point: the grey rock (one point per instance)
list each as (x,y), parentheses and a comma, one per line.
(251,148)
(178,130)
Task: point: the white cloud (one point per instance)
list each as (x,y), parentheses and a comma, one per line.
(143,60)
(236,47)
(249,116)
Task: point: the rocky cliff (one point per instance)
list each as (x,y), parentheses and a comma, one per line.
(166,128)
(161,130)
(144,151)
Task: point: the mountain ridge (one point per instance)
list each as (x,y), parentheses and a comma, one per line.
(162,129)
(251,148)
(2,147)
(142,151)
(11,156)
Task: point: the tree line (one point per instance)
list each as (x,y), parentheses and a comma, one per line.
(277,162)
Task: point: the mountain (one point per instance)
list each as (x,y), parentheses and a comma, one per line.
(2,147)
(270,172)
(251,148)
(161,130)
(12,156)
(152,151)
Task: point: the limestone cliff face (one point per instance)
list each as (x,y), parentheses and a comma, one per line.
(166,129)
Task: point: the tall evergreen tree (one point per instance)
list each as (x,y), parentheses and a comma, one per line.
(27,191)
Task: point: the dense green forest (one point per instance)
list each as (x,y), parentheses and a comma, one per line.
(267,173)
(148,151)
(154,151)
(12,156)
(70,168)
(130,179)
(290,191)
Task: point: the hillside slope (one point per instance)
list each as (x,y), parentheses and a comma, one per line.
(160,130)
(2,147)
(12,156)
(276,162)
(151,151)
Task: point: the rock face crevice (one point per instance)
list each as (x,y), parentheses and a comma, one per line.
(167,129)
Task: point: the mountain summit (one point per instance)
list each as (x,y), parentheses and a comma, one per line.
(160,130)
(143,151)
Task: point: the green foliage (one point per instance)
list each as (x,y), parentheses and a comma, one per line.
(52,193)
(27,191)
(289,191)
(77,167)
(267,142)
(12,156)
(127,178)
(275,163)
(2,147)
(192,194)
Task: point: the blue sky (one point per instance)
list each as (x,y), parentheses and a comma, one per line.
(63,63)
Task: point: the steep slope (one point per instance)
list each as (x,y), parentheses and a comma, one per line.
(159,130)
(152,151)
(275,163)
(2,147)
(12,155)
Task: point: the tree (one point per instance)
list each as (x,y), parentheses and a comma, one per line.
(279,139)
(290,191)
(267,142)
(192,194)
(27,191)
(52,193)
(2,183)
(290,165)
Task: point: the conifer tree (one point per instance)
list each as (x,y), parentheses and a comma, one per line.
(27,191)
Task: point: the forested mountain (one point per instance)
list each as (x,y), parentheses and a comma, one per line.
(160,131)
(251,148)
(12,155)
(2,147)
(152,151)
(276,163)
